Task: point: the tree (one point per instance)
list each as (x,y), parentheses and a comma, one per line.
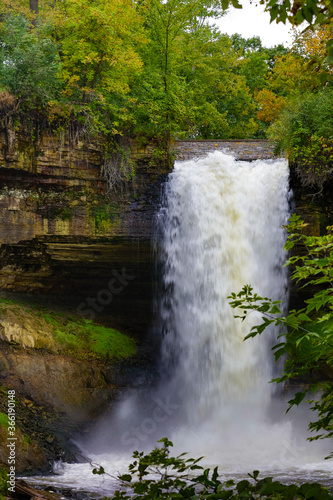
(314,12)
(29,64)
(34,11)
(304,131)
(178,34)
(270,105)
(97,40)
(307,342)
(190,85)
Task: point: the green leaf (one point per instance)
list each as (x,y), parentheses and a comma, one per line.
(299,396)
(273,13)
(126,477)
(99,471)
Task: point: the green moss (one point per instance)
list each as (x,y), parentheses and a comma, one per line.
(26,442)
(3,420)
(69,340)
(51,320)
(111,343)
(78,337)
(102,342)
(64,212)
(8,302)
(103,215)
(27,439)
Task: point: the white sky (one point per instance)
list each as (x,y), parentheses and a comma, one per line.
(253,21)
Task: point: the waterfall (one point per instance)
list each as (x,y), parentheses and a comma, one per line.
(222,228)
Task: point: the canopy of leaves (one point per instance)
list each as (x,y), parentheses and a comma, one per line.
(305,131)
(98,40)
(29,63)
(152,68)
(314,12)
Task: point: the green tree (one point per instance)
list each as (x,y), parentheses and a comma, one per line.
(98,47)
(29,63)
(190,86)
(314,12)
(305,131)
(163,94)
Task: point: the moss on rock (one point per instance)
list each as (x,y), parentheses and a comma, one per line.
(39,328)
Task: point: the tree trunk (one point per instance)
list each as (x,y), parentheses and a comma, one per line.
(34,10)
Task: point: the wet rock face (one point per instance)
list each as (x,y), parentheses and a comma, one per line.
(114,278)
(52,161)
(29,456)
(79,389)
(316,209)
(68,246)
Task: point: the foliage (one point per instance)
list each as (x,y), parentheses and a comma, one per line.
(308,341)
(270,105)
(178,37)
(305,131)
(314,12)
(159,475)
(313,160)
(117,68)
(256,61)
(312,46)
(29,63)
(110,69)
(99,42)
(192,85)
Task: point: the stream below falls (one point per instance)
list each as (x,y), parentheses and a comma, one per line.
(219,228)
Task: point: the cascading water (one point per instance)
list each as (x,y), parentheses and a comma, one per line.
(221,226)
(222,229)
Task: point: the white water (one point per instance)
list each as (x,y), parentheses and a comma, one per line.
(222,228)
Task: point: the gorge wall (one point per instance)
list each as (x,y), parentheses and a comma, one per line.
(59,232)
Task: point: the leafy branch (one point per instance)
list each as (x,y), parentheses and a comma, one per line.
(159,475)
